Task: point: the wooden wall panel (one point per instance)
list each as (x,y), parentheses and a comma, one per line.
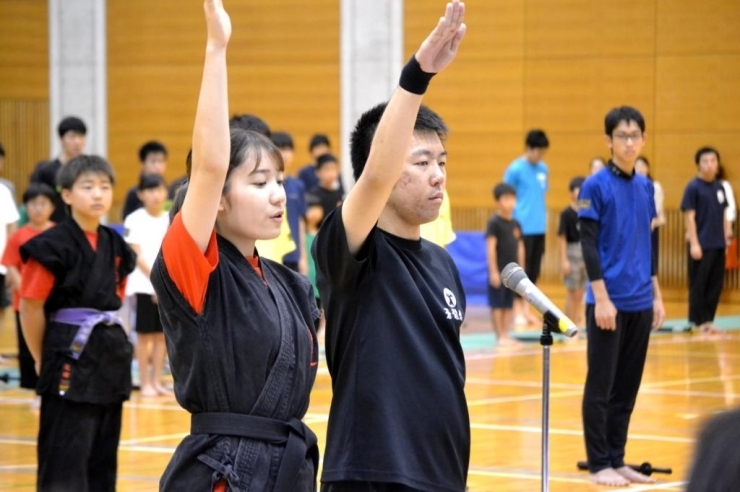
(585,28)
(283,66)
(698,93)
(697,28)
(24,132)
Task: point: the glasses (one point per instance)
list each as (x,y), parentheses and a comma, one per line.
(625,137)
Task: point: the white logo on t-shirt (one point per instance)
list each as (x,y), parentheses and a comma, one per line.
(720,196)
(451,301)
(542,178)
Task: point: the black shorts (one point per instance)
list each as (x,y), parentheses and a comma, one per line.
(4,297)
(147,315)
(500,297)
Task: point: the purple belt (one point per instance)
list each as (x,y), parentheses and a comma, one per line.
(86,319)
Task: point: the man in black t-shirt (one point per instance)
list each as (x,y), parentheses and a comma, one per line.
(72,135)
(708,233)
(504,245)
(571,255)
(394,302)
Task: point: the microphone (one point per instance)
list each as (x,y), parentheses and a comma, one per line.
(514,278)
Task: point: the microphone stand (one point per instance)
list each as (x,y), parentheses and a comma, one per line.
(549,324)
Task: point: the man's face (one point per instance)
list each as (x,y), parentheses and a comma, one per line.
(708,166)
(73,144)
(154,163)
(417,195)
(626,142)
(535,155)
(320,150)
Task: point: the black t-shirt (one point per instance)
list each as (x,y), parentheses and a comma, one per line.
(132,202)
(328,199)
(569,225)
(508,233)
(46,172)
(708,201)
(398,414)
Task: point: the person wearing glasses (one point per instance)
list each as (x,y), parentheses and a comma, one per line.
(623,299)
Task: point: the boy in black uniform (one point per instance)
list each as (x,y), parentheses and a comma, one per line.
(571,255)
(504,245)
(394,302)
(73,282)
(240,329)
(708,233)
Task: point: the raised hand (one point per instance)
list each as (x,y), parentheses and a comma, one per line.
(218,23)
(440,47)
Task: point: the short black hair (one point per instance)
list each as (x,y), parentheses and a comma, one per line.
(502,189)
(71,124)
(312,200)
(536,139)
(83,164)
(622,113)
(576,182)
(318,139)
(361,138)
(250,122)
(324,159)
(282,140)
(717,455)
(2,150)
(150,181)
(705,150)
(151,147)
(36,190)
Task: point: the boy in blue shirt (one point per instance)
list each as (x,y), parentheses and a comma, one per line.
(623,299)
(528,175)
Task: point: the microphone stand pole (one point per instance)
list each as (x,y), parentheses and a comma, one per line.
(548,325)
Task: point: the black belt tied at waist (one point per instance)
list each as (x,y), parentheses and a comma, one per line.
(299,440)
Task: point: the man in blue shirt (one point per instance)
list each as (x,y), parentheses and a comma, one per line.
(623,299)
(295,207)
(704,203)
(528,175)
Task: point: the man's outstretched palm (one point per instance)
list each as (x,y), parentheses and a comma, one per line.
(440,47)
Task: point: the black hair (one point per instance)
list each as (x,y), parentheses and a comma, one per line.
(250,122)
(312,200)
(317,140)
(536,139)
(2,150)
(150,181)
(178,200)
(622,113)
(244,144)
(324,159)
(282,140)
(716,463)
(151,147)
(502,189)
(361,139)
(705,150)
(71,124)
(83,164)
(576,182)
(36,190)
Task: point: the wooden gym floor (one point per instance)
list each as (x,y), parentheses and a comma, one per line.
(688,377)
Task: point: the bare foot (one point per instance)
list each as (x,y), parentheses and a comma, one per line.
(148,391)
(634,476)
(609,477)
(162,390)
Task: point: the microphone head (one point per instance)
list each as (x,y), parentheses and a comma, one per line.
(511,275)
